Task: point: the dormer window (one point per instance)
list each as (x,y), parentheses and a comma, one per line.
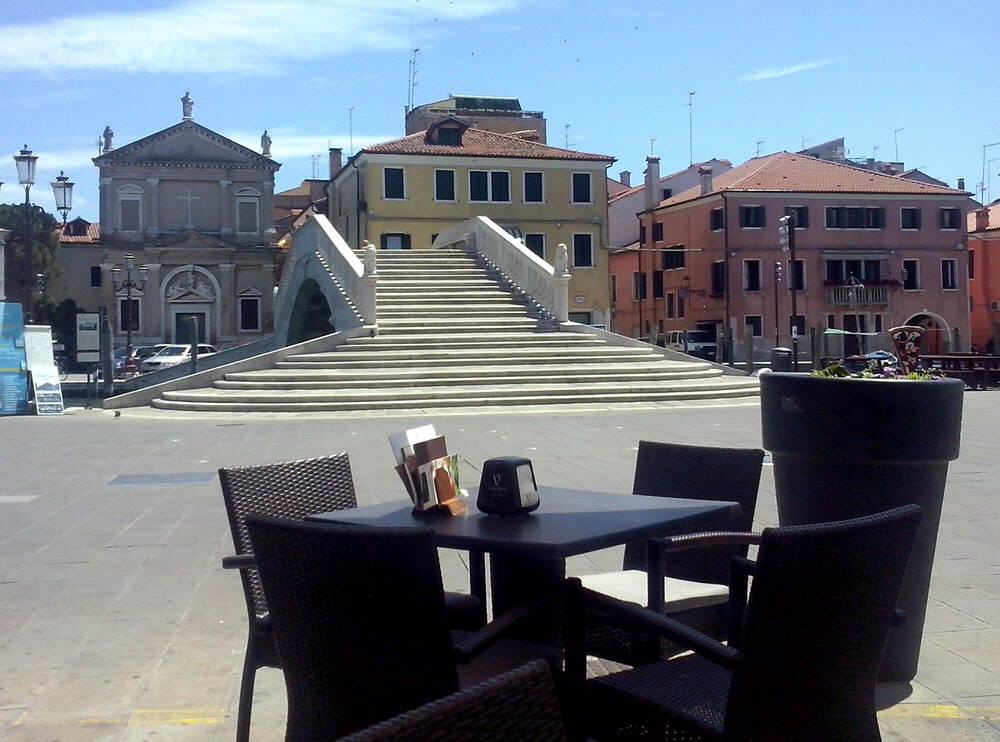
(452,136)
(447,132)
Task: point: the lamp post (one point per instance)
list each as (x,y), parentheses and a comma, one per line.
(62,189)
(25,162)
(127,286)
(777,317)
(786,238)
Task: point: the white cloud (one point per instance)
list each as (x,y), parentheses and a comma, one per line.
(222,37)
(772,72)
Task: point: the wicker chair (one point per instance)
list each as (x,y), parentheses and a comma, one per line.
(810,642)
(293,489)
(695,581)
(518,705)
(360,622)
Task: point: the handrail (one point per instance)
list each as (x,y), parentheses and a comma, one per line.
(317,235)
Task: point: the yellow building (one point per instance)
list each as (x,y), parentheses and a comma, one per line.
(402,194)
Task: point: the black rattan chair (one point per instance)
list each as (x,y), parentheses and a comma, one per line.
(293,489)
(518,705)
(360,622)
(810,641)
(695,582)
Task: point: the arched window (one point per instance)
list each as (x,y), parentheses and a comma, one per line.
(248,211)
(129,208)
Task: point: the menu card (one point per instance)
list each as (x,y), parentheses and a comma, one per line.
(428,472)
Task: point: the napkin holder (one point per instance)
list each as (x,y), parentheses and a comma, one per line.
(507,487)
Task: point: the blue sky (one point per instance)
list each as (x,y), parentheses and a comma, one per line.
(617,73)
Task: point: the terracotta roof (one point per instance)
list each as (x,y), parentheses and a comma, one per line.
(481,143)
(994,222)
(637,188)
(79,231)
(784,172)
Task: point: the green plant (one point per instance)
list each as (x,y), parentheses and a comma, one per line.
(874,370)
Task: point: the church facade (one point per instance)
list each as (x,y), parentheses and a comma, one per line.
(193,207)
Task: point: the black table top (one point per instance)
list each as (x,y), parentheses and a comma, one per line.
(568,522)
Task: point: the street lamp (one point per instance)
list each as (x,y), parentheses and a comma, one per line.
(786,238)
(25,162)
(777,293)
(128,285)
(62,189)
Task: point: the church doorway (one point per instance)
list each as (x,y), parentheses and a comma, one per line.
(311,315)
(182,327)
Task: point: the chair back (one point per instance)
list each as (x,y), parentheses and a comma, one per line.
(293,489)
(518,705)
(359,620)
(821,605)
(700,473)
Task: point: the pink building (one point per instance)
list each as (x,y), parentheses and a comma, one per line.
(873,251)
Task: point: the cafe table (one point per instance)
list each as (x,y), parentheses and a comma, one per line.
(528,552)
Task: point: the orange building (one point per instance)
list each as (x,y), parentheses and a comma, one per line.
(984,276)
(873,251)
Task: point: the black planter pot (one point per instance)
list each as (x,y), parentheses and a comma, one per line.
(843,448)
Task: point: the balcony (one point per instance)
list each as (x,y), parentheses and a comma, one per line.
(849,296)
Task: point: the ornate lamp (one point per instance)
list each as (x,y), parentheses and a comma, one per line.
(62,189)
(25,162)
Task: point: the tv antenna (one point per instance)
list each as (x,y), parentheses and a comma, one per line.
(566,136)
(759,142)
(652,141)
(412,80)
(691,126)
(350,131)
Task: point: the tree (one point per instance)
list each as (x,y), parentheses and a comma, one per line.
(44,244)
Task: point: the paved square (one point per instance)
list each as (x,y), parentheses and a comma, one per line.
(118,623)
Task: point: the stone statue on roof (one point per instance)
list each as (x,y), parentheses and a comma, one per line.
(109,139)
(187,103)
(265,144)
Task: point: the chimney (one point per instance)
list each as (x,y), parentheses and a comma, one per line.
(705,174)
(982,219)
(961,184)
(652,183)
(336,160)
(625,178)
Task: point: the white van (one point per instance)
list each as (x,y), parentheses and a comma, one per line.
(700,343)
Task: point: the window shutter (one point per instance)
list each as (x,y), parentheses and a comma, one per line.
(383,240)
(406,241)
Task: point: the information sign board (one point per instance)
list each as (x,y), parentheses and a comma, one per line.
(88,337)
(13,368)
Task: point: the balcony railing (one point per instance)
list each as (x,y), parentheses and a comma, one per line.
(849,296)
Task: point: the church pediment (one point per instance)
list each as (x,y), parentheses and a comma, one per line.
(190,238)
(187,144)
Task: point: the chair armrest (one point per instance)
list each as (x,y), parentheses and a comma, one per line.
(708,538)
(741,570)
(240,561)
(899,617)
(482,639)
(645,619)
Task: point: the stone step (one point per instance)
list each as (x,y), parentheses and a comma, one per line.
(384,296)
(472,340)
(377,357)
(469,379)
(486,374)
(457,310)
(709,392)
(428,394)
(432,283)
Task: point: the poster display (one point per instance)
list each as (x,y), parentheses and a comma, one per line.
(42,366)
(88,337)
(13,367)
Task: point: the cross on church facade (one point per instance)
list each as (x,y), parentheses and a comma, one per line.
(189,198)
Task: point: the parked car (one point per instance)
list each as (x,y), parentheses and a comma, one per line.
(141,352)
(699,343)
(174,355)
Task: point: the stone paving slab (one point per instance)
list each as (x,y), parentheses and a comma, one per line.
(118,622)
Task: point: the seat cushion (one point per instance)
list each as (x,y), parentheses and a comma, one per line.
(681,696)
(679,595)
(464,611)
